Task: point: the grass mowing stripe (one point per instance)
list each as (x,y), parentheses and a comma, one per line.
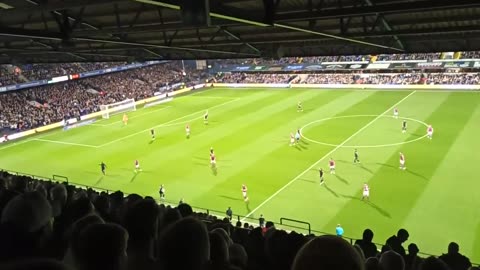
(328,154)
(166,123)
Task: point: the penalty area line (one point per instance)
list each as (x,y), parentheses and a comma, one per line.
(66,143)
(325,156)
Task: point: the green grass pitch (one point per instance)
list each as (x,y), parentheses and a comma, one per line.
(436,199)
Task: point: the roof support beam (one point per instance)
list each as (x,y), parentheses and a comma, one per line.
(390,8)
(174,5)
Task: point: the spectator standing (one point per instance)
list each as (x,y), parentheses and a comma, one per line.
(229,213)
(368,247)
(395,242)
(412,261)
(339,230)
(454,259)
(261,221)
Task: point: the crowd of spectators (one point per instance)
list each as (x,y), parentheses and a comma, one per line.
(8,76)
(348,78)
(47,71)
(348,58)
(22,110)
(46,225)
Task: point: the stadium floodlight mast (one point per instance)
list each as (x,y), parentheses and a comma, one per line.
(126,105)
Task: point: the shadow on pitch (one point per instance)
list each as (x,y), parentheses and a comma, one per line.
(230,198)
(371,204)
(247,205)
(366,169)
(417,175)
(387,165)
(133,177)
(342,179)
(98,181)
(330,190)
(214,170)
(307,180)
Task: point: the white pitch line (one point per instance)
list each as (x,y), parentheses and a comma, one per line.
(327,155)
(166,123)
(66,143)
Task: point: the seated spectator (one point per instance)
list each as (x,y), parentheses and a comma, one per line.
(328,252)
(395,242)
(100,247)
(368,247)
(432,263)
(454,259)
(391,260)
(25,226)
(184,245)
(141,222)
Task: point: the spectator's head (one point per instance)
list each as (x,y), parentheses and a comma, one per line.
(58,196)
(391,260)
(141,222)
(29,212)
(413,249)
(101,246)
(453,248)
(432,263)
(77,209)
(238,256)
(328,252)
(402,235)
(184,245)
(367,235)
(372,263)
(185,209)
(218,249)
(73,235)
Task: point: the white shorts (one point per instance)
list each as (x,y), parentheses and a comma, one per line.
(366,194)
(332,167)
(187,131)
(213,161)
(137,166)
(430,133)
(292,140)
(395,114)
(402,162)
(244,194)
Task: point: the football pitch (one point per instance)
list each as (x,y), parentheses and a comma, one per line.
(436,198)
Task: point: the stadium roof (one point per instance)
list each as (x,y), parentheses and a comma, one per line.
(127,30)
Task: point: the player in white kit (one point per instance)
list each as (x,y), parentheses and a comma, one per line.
(292,139)
(429,132)
(395,113)
(402,161)
(366,192)
(244,192)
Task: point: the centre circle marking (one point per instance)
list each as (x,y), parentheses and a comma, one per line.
(361,146)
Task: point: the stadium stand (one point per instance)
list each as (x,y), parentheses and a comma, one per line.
(40,106)
(61,226)
(350,58)
(367,78)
